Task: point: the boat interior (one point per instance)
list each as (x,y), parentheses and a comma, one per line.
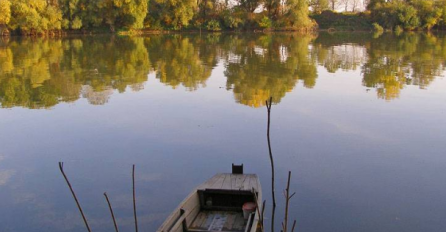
(213,207)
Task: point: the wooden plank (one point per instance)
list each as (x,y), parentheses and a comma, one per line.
(218,182)
(247,183)
(239,182)
(233,181)
(178,226)
(208,183)
(189,204)
(229,222)
(199,220)
(227,182)
(208,221)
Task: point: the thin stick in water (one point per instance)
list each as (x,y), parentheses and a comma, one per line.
(111,212)
(294,226)
(268,107)
(134,199)
(74,196)
(287,202)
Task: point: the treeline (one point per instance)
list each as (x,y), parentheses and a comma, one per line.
(408,14)
(50,16)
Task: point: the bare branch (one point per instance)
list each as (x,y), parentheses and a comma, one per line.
(134,199)
(74,196)
(111,212)
(268,106)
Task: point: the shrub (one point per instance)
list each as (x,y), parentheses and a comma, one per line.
(398,29)
(265,22)
(377,27)
(213,25)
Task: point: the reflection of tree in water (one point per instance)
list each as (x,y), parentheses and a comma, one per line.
(96,97)
(409,59)
(182,60)
(269,65)
(40,73)
(391,62)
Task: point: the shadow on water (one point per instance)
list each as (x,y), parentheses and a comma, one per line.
(40,73)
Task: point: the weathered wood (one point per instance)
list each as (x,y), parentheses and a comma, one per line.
(191,205)
(196,216)
(228,181)
(218,182)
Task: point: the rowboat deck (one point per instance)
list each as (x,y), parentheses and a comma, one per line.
(219,221)
(216,205)
(231,182)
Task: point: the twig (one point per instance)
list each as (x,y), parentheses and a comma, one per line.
(134,199)
(287,202)
(111,212)
(74,196)
(263,212)
(268,106)
(294,226)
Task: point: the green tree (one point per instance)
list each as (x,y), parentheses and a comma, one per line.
(5,12)
(174,14)
(249,5)
(429,13)
(297,15)
(319,5)
(35,16)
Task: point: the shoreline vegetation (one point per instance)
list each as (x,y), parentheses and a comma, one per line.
(128,17)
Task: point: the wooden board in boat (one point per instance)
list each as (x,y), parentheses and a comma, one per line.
(219,221)
(231,182)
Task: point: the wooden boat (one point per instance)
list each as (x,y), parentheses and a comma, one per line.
(216,205)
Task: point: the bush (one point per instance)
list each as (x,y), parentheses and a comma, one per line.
(232,20)
(398,29)
(265,22)
(377,27)
(213,25)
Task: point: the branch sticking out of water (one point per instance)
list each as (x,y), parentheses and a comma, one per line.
(111,212)
(287,204)
(294,226)
(268,107)
(74,196)
(134,199)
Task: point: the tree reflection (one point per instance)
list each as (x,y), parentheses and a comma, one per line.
(266,66)
(40,73)
(389,62)
(180,60)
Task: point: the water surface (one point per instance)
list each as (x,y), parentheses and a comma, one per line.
(358,119)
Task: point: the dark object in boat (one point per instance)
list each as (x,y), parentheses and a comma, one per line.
(217,205)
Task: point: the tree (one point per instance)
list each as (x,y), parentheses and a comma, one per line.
(249,5)
(298,14)
(173,13)
(272,6)
(5,12)
(319,5)
(355,4)
(428,12)
(333,4)
(34,16)
(345,4)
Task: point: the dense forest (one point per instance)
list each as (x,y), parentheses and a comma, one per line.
(43,16)
(32,17)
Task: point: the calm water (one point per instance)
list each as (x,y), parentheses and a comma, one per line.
(358,119)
